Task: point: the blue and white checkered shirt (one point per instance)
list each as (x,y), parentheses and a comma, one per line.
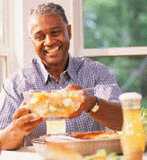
(81,71)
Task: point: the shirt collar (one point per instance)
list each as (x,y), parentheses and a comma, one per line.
(72,68)
(41,68)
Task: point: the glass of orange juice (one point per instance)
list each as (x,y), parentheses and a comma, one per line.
(132,137)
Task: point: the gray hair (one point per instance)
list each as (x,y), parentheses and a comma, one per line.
(47,8)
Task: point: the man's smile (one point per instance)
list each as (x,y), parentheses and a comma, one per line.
(51,50)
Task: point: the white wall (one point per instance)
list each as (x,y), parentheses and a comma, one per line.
(27,5)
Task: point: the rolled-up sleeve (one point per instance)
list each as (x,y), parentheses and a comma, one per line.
(9,102)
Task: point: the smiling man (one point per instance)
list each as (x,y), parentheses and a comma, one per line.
(54,68)
(51,35)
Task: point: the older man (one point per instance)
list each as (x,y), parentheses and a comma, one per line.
(54,68)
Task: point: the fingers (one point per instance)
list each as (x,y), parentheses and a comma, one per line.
(28,127)
(27,119)
(75,114)
(20,112)
(87,103)
(73,87)
(27,123)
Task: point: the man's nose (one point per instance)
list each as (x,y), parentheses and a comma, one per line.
(48,40)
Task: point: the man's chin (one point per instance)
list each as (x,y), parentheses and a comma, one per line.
(53,61)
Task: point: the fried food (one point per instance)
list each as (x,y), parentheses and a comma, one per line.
(96,135)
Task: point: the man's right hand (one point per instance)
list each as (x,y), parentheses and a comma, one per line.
(22,125)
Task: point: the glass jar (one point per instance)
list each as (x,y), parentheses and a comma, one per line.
(132,137)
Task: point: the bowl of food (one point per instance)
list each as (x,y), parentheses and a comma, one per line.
(53,104)
(78,144)
(90,142)
(56,147)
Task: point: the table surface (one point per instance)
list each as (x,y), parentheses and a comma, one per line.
(27,153)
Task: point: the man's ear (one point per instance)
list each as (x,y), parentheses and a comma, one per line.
(69,31)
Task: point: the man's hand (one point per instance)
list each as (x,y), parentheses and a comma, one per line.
(22,125)
(88,100)
(106,110)
(25,121)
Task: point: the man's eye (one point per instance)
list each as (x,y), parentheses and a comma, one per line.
(39,37)
(56,33)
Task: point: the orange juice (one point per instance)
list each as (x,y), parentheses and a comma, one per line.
(132,138)
(144,121)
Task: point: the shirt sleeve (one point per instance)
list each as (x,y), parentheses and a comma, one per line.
(9,102)
(107,87)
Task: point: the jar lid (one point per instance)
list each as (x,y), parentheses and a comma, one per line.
(130,96)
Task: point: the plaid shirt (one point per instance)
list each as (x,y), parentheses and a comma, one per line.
(81,71)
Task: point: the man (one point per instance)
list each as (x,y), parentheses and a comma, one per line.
(54,68)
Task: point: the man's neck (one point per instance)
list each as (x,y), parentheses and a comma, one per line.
(56,69)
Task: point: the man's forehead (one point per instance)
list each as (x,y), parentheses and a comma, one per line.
(43,21)
(48,18)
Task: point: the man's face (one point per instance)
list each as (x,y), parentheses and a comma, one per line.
(51,38)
